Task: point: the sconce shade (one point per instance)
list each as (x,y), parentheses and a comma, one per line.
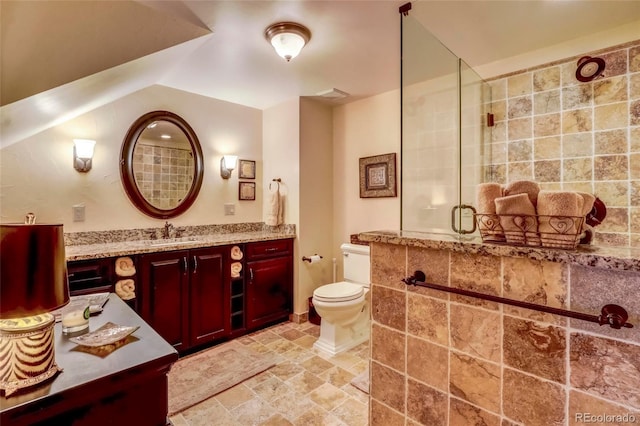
(33,270)
(83,154)
(227,164)
(287,38)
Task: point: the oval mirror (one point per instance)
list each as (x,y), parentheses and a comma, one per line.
(161,164)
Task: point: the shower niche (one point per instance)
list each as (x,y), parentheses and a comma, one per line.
(446,130)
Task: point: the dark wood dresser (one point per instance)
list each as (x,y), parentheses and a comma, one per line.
(126,386)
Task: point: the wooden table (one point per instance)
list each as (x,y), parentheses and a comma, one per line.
(127,386)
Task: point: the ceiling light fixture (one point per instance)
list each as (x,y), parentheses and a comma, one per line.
(287,38)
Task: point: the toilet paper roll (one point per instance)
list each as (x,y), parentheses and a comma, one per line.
(315,259)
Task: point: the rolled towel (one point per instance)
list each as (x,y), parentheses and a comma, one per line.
(126,289)
(236,267)
(587,205)
(236,253)
(557,214)
(125,267)
(528,187)
(488,221)
(518,219)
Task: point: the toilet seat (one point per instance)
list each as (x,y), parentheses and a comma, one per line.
(338,292)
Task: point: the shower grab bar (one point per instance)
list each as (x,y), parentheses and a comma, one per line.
(614,315)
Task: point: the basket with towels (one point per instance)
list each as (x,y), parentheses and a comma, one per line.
(521,214)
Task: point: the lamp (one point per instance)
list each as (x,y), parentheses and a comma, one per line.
(33,272)
(287,38)
(82,154)
(227,164)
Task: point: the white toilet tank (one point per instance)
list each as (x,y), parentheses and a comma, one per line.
(357,267)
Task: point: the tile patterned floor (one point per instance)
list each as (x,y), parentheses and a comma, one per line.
(307,388)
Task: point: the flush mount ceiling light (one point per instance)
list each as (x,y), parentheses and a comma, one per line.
(287,38)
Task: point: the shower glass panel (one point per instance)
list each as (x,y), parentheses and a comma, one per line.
(443,117)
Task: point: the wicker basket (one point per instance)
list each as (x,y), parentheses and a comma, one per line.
(531,231)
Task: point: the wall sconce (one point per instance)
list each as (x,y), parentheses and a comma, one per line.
(83,154)
(227,164)
(33,271)
(287,38)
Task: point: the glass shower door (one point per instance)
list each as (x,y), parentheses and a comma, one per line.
(443,110)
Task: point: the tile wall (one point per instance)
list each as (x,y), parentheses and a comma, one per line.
(449,360)
(570,135)
(163,174)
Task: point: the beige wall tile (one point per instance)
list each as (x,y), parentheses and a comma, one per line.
(499,110)
(388,347)
(435,265)
(634,86)
(381,415)
(611,142)
(634,113)
(522,170)
(634,59)
(546,125)
(582,405)
(611,116)
(634,166)
(476,381)
(388,306)
(617,220)
(461,413)
(427,318)
(426,405)
(535,348)
(547,171)
(519,85)
(547,148)
(535,281)
(476,332)
(388,265)
(546,79)
(635,193)
(532,401)
(606,368)
(610,90)
(519,128)
(578,120)
(575,97)
(520,107)
(577,145)
(616,62)
(577,169)
(611,167)
(521,149)
(612,193)
(428,363)
(546,102)
(387,386)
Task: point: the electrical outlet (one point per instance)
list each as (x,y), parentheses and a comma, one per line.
(78,213)
(229,209)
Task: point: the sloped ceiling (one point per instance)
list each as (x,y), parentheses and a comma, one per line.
(63,58)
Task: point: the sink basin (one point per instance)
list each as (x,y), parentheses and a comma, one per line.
(173,241)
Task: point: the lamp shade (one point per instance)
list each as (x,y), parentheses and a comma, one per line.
(287,38)
(33,270)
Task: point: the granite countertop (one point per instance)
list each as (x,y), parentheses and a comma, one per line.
(619,258)
(95,245)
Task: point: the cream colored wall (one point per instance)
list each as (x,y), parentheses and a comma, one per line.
(37,173)
(281,159)
(367,127)
(316,198)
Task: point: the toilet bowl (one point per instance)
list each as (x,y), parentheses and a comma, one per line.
(344,306)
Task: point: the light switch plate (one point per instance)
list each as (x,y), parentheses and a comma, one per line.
(78,213)
(229,209)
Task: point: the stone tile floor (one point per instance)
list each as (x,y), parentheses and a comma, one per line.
(307,388)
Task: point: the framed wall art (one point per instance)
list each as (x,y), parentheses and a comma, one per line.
(247,169)
(378,176)
(247,191)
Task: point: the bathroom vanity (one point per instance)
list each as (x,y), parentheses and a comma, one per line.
(185,288)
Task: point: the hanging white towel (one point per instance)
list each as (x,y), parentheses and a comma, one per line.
(275,213)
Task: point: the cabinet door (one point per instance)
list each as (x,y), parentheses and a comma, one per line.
(269,290)
(164,282)
(209,296)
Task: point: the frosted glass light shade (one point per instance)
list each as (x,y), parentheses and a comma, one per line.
(227,164)
(83,154)
(288,38)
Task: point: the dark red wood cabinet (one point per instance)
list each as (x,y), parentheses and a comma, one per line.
(185,293)
(269,282)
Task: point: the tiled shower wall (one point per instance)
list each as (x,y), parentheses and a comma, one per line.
(163,174)
(441,360)
(569,135)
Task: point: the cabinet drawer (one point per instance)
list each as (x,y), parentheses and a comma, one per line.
(268,249)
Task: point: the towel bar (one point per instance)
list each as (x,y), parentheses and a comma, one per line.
(614,315)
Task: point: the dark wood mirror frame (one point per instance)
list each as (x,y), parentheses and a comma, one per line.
(126,164)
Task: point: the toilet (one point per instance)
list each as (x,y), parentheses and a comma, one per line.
(344,306)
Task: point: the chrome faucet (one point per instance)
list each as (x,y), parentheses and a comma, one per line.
(166,233)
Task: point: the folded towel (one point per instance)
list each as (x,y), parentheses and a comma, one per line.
(523,187)
(557,212)
(126,289)
(488,221)
(518,219)
(587,206)
(275,213)
(236,267)
(125,267)
(236,253)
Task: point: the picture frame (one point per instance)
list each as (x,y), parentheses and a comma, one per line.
(378,176)
(246,191)
(247,169)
